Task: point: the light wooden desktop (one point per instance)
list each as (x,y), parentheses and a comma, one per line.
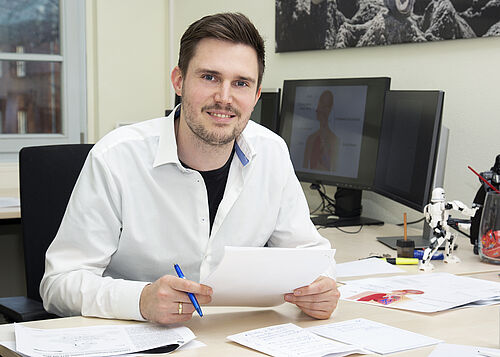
(471,326)
(10,212)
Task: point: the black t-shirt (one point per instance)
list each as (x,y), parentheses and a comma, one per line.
(215,182)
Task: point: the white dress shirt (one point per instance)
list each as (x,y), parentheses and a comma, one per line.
(135,211)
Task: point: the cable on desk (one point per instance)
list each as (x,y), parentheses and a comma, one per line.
(356,232)
(327,203)
(359,230)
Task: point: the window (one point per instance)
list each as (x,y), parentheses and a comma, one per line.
(42,74)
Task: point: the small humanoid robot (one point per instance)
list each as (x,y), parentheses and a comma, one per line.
(436,215)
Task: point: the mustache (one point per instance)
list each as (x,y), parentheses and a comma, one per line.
(227,108)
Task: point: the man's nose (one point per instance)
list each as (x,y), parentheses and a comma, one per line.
(224,94)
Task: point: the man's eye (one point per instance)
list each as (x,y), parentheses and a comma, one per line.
(241,84)
(208,77)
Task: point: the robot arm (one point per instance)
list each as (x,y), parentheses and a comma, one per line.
(462,208)
(427,214)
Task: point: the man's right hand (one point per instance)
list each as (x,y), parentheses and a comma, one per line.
(160,300)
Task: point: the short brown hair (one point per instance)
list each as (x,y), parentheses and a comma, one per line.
(233,27)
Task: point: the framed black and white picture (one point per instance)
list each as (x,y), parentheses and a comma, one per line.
(328,24)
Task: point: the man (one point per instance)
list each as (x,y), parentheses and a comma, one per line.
(179,189)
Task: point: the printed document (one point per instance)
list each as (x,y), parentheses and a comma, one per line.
(104,340)
(373,336)
(258,276)
(193,344)
(291,340)
(369,266)
(422,292)
(447,349)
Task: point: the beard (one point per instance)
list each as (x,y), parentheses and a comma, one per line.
(219,135)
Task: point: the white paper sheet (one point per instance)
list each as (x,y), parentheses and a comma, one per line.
(9,202)
(422,292)
(191,345)
(261,276)
(106,340)
(447,350)
(291,340)
(373,336)
(369,266)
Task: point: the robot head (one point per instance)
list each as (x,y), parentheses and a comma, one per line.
(437,195)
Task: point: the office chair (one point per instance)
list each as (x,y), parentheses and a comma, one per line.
(47,175)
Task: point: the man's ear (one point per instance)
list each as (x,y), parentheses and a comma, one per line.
(176,78)
(257,95)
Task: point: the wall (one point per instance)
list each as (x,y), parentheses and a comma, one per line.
(127,69)
(467,70)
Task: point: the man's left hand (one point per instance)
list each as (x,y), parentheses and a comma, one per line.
(318,299)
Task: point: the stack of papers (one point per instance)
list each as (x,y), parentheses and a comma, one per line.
(422,292)
(106,340)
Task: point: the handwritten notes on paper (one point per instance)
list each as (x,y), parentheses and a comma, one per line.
(291,340)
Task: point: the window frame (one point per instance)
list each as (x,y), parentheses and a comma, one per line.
(73,84)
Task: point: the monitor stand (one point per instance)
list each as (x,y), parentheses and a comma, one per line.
(327,220)
(421,242)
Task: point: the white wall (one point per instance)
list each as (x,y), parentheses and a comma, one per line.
(127,62)
(467,70)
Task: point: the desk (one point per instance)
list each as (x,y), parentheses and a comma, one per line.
(354,246)
(472,326)
(10,213)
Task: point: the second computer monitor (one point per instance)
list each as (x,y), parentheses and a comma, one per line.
(267,109)
(408,148)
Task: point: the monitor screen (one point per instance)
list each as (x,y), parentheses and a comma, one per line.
(408,146)
(332,128)
(267,109)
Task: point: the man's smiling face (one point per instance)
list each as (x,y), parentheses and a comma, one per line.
(219,90)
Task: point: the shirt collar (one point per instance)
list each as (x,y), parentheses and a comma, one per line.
(167,146)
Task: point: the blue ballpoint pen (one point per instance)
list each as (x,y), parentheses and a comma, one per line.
(191,295)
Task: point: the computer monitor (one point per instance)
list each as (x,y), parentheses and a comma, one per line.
(267,109)
(332,128)
(412,151)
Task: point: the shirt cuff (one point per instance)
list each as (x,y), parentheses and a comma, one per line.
(127,302)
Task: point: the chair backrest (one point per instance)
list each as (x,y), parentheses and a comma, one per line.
(47,175)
